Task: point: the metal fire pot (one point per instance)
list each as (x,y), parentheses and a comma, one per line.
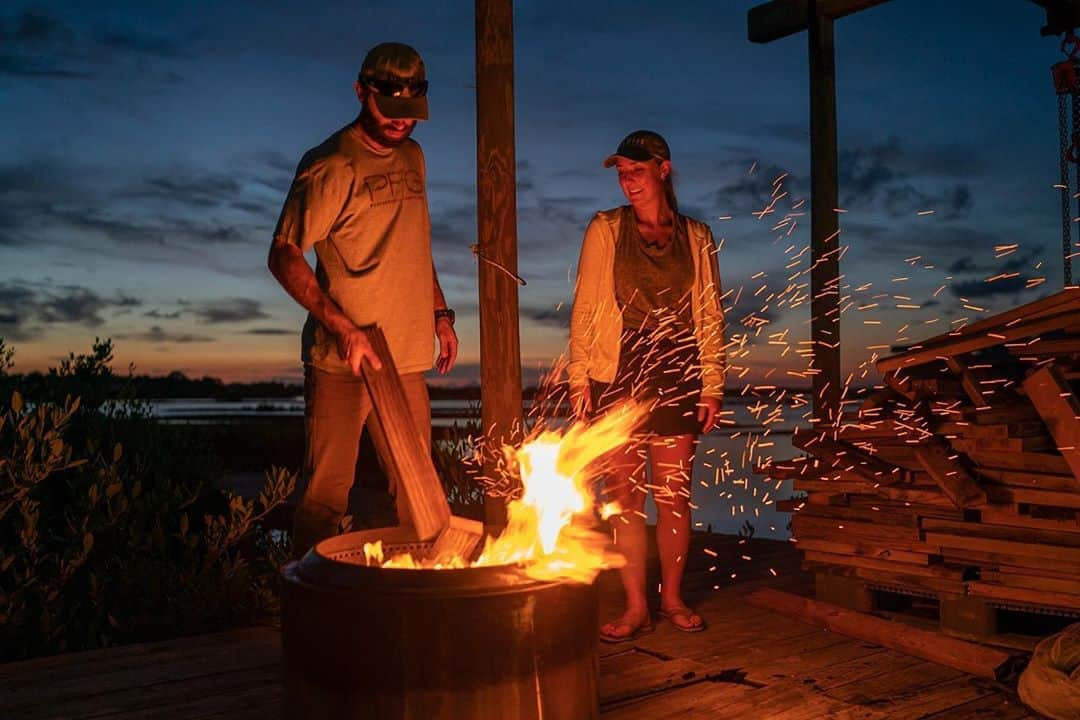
(477,643)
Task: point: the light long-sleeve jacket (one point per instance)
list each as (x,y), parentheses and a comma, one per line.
(596,319)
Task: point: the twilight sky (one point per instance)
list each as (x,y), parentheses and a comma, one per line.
(147,148)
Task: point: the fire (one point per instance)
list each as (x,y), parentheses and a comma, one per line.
(550,530)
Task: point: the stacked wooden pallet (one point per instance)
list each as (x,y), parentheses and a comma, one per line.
(959,480)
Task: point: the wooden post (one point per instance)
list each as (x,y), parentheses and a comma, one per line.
(500,344)
(824,223)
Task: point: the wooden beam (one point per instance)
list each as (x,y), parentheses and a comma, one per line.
(968,381)
(824,221)
(933,646)
(953,479)
(496,212)
(780,18)
(1053,398)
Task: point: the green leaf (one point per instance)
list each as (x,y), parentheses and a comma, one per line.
(183,524)
(16,402)
(113,488)
(87,542)
(118,452)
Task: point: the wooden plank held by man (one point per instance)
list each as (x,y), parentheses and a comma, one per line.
(408,462)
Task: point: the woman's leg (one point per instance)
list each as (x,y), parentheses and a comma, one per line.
(672,464)
(625,485)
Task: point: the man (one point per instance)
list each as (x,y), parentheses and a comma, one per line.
(359,200)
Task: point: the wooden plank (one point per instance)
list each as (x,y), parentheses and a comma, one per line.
(1069,586)
(1053,398)
(824,220)
(945,540)
(1029,480)
(72,675)
(968,382)
(496,218)
(970,342)
(953,479)
(631,673)
(1051,305)
(1022,461)
(964,656)
(213,688)
(779,18)
(1024,596)
(842,455)
(884,564)
(864,549)
(1047,538)
(997,706)
(409,462)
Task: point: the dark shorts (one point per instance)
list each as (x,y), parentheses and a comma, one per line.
(661,369)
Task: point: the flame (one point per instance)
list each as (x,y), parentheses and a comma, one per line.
(548,528)
(551,528)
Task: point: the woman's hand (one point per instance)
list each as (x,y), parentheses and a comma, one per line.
(581,402)
(708,409)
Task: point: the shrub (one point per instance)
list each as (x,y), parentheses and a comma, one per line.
(113,530)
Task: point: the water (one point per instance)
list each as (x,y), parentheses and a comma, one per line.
(726,494)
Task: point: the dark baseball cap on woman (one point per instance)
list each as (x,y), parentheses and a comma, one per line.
(640,145)
(395,74)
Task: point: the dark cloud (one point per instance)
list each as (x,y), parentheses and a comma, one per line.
(159,315)
(984,289)
(26,308)
(198,190)
(157,334)
(228,310)
(38,44)
(953,203)
(270,331)
(551,316)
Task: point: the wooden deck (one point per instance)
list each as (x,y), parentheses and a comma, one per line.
(750,663)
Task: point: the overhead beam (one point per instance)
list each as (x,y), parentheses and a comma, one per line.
(779,18)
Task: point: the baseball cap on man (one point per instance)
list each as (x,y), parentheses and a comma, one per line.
(394,72)
(640,145)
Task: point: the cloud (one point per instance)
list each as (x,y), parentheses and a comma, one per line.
(157,334)
(271,331)
(228,310)
(159,315)
(552,316)
(25,308)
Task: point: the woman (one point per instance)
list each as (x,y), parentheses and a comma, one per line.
(647,324)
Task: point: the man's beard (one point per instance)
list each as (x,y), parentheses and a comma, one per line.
(371,126)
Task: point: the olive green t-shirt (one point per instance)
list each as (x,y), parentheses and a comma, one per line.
(366,215)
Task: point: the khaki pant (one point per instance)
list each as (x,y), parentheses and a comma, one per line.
(335,410)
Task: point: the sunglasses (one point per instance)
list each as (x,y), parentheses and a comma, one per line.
(394,88)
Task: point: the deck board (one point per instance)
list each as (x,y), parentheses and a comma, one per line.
(750,662)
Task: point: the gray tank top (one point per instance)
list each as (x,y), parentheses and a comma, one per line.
(653,284)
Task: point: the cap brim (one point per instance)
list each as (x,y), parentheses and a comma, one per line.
(401,108)
(635,154)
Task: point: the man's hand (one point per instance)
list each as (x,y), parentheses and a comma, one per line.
(448,345)
(353,345)
(581,402)
(708,409)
